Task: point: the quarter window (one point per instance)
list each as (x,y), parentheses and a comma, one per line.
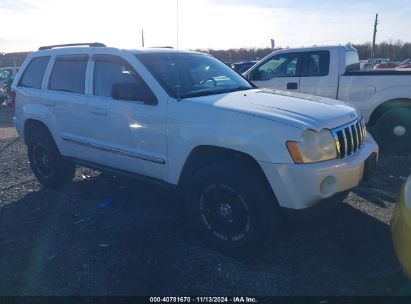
(282,65)
(317,63)
(34,73)
(69,74)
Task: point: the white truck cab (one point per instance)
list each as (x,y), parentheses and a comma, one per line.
(382,96)
(243,155)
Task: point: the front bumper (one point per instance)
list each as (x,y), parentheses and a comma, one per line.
(401,234)
(299,186)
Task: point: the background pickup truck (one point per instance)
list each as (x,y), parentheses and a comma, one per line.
(383,97)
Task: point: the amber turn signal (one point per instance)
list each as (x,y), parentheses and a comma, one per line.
(295,152)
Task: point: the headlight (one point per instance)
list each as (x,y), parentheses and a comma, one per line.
(407,193)
(314,147)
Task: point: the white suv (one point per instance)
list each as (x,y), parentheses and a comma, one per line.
(243,155)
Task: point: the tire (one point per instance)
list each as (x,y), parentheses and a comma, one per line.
(393,130)
(232,209)
(50,169)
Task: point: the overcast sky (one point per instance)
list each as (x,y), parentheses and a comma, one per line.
(28,24)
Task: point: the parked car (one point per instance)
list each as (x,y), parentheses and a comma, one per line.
(401,228)
(7,74)
(241,67)
(385,65)
(242,155)
(382,96)
(5,92)
(406,64)
(6,78)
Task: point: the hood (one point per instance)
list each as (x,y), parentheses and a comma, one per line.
(299,110)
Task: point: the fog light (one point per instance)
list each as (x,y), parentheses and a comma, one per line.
(328,185)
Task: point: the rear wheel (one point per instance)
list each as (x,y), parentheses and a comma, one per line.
(232,208)
(393,130)
(47,164)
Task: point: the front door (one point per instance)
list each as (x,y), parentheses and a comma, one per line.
(281,72)
(127,122)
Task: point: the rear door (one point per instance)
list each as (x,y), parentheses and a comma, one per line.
(281,72)
(65,100)
(319,77)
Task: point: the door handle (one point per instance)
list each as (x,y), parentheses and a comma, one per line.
(292,86)
(98,111)
(48,103)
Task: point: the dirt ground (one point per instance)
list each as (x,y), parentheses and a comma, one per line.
(63,243)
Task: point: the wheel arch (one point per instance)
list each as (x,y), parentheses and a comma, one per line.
(203,155)
(386,106)
(31,125)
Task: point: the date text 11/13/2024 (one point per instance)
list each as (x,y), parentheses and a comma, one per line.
(203,300)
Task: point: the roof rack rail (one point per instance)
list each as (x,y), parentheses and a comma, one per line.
(92,44)
(161,47)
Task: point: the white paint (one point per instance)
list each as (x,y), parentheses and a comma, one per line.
(254,122)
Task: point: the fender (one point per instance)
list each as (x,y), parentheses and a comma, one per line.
(42,114)
(201,125)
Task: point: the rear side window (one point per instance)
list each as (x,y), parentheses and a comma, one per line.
(69,74)
(316,63)
(34,73)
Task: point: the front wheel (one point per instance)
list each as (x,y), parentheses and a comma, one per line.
(232,208)
(393,130)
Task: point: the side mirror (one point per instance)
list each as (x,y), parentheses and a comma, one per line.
(133,92)
(252,74)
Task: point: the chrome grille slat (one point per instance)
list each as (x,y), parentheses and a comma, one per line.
(359,132)
(355,133)
(337,144)
(349,139)
(364,130)
(345,142)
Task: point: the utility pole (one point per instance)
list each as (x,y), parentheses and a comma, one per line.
(142,37)
(178,20)
(373,39)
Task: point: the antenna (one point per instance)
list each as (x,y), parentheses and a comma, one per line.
(142,37)
(177,23)
(177,61)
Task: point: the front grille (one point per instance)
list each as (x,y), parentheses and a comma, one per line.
(349,138)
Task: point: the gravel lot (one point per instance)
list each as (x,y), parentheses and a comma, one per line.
(62,243)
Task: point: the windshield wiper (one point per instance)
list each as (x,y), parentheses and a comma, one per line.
(222,91)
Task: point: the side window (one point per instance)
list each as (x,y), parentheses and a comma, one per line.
(282,65)
(34,73)
(114,77)
(316,63)
(69,74)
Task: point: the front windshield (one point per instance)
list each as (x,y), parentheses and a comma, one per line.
(185,75)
